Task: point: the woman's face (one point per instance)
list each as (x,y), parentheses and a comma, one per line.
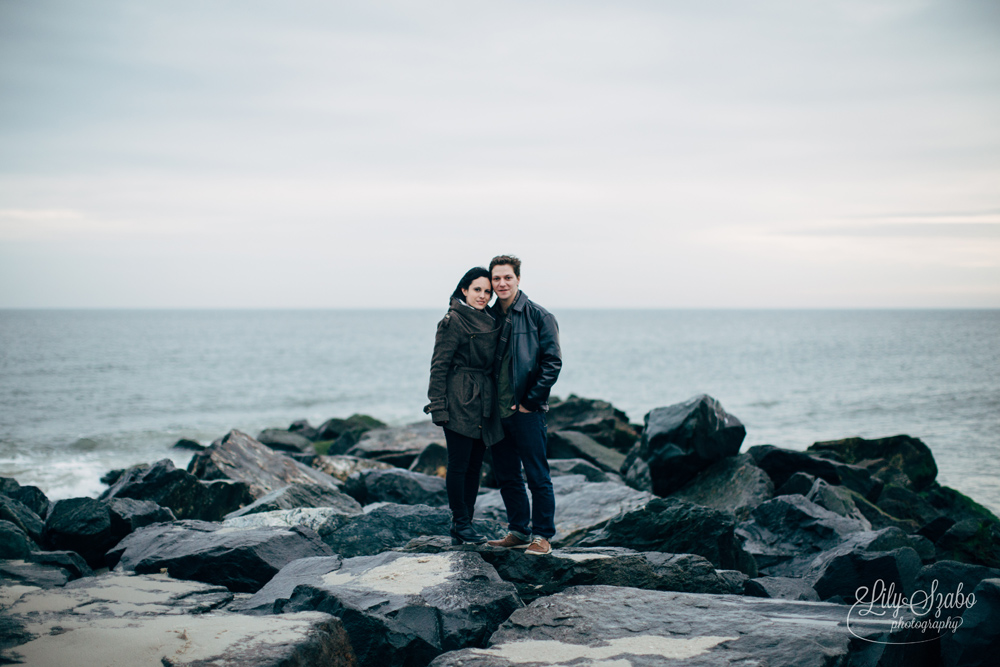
(479,293)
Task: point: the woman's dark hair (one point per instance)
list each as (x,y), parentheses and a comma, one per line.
(470,275)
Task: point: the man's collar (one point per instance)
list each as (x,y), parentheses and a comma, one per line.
(519,301)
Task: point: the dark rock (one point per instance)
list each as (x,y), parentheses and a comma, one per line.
(14,542)
(240,560)
(33,574)
(735,484)
(563,467)
(733,581)
(976,641)
(295,496)
(30,496)
(875,515)
(636,472)
(788,531)
(305,429)
(676,526)
(574,445)
(974,541)
(154,620)
(681,440)
(180,491)
(90,527)
(606,625)
(186,444)
(112,476)
(240,458)
(955,505)
(286,441)
(342,467)
(900,459)
(581,506)
(332,429)
(936,528)
(537,577)
(949,576)
(799,484)
(304,459)
(323,520)
(398,609)
(396,486)
(432,461)
(69,561)
(907,505)
(21,516)
(783,588)
(598,419)
(398,446)
(837,499)
(857,575)
(780,464)
(390,526)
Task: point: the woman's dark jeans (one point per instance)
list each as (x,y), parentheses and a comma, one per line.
(525,443)
(465,461)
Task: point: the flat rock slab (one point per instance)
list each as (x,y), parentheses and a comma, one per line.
(397,486)
(581,505)
(398,446)
(397,608)
(612,627)
(116,619)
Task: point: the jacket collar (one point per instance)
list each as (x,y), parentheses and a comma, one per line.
(520,301)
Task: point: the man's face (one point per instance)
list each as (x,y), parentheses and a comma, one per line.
(504,281)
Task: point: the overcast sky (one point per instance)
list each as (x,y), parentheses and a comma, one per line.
(634,154)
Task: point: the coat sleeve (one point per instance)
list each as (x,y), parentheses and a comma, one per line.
(549,364)
(445,344)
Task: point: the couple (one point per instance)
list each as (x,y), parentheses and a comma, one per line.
(491,374)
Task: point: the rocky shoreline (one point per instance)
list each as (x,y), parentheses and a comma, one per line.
(328,546)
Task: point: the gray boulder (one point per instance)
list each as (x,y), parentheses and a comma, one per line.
(305,429)
(398,446)
(240,560)
(857,575)
(116,619)
(735,484)
(14,542)
(949,576)
(30,496)
(26,573)
(323,520)
(975,642)
(675,526)
(396,486)
(973,540)
(21,516)
(899,459)
(296,496)
(783,588)
(432,461)
(285,441)
(780,464)
(398,609)
(598,419)
(575,445)
(681,440)
(564,467)
(178,490)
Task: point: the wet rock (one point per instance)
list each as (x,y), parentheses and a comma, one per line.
(973,541)
(397,608)
(179,491)
(675,526)
(976,641)
(396,486)
(782,588)
(799,484)
(564,467)
(285,441)
(574,445)
(240,458)
(341,467)
(681,440)
(598,419)
(305,429)
(902,503)
(391,525)
(21,516)
(955,505)
(610,626)
(735,484)
(949,576)
(323,520)
(785,533)
(537,577)
(30,496)
(780,464)
(296,496)
(581,506)
(90,527)
(334,428)
(838,500)
(432,461)
(240,560)
(154,620)
(855,575)
(900,459)
(398,446)
(25,573)
(69,561)
(14,542)
(186,444)
(636,473)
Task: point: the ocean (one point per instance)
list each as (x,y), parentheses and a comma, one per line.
(83,392)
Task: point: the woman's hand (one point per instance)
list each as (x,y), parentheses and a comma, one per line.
(521,408)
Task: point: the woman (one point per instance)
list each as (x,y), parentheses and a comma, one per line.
(462,395)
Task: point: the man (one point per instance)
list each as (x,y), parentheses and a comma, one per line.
(527,364)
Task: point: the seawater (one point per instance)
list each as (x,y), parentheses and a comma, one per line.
(82,392)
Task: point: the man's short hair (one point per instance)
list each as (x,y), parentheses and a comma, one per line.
(500,260)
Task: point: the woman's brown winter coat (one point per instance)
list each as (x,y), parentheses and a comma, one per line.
(462,389)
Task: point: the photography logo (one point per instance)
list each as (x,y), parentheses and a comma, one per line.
(925,615)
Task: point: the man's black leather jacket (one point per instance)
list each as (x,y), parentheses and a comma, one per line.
(535,357)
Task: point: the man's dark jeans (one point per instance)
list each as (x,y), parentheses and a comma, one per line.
(524,443)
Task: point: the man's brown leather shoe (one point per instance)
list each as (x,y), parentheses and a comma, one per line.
(539,547)
(510,541)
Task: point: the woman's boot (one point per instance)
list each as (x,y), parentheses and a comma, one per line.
(462,532)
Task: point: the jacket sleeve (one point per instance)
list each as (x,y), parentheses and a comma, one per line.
(445,344)
(549,364)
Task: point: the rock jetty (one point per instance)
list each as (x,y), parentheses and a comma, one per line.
(329,545)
